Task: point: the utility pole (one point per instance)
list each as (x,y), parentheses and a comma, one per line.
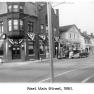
(50,40)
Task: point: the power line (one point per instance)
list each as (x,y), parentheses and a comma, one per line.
(63,3)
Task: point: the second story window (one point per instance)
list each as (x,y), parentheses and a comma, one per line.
(70,35)
(74,36)
(21,24)
(30,27)
(21,8)
(15,8)
(10,25)
(15,24)
(10,8)
(46,29)
(1,27)
(42,27)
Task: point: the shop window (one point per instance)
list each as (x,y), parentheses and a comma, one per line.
(31,48)
(30,27)
(10,25)
(21,24)
(15,24)
(1,27)
(15,8)
(41,47)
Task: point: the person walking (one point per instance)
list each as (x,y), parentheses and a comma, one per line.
(70,53)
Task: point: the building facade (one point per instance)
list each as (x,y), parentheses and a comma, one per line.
(87,42)
(23,30)
(92,42)
(69,38)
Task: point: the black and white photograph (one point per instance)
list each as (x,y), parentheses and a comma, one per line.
(47,42)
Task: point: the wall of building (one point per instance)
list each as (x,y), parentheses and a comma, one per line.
(31,13)
(30,9)
(3,7)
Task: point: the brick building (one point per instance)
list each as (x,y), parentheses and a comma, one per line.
(23,30)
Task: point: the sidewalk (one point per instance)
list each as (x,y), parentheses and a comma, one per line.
(23,63)
(45,61)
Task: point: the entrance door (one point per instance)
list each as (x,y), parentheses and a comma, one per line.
(16,53)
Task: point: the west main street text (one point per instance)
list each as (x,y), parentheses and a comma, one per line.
(49,88)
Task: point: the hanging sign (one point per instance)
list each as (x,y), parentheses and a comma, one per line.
(31,35)
(11,41)
(16,41)
(43,37)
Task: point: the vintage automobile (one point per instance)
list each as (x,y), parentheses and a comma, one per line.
(83,54)
(79,54)
(1,59)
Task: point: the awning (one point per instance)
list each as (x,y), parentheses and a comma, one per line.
(31,35)
(42,36)
(15,41)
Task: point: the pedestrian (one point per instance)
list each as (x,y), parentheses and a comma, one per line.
(70,54)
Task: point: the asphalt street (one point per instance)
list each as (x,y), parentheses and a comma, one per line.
(65,71)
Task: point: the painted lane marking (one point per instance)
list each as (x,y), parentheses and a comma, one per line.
(57,75)
(61,74)
(85,80)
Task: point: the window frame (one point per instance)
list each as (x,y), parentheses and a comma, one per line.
(10,9)
(15,9)
(21,25)
(15,25)
(41,43)
(21,8)
(10,25)
(31,43)
(32,26)
(1,27)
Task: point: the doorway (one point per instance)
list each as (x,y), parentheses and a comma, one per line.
(16,53)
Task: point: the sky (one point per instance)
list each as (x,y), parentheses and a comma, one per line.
(78,12)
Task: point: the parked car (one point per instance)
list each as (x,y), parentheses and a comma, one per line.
(79,54)
(1,59)
(76,55)
(83,54)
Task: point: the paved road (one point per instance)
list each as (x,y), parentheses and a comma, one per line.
(66,70)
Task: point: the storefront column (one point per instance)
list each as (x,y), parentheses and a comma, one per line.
(25,47)
(6,48)
(59,52)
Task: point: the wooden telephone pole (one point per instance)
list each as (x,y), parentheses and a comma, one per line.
(50,40)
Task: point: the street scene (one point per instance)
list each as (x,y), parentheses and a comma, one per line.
(65,71)
(39,45)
